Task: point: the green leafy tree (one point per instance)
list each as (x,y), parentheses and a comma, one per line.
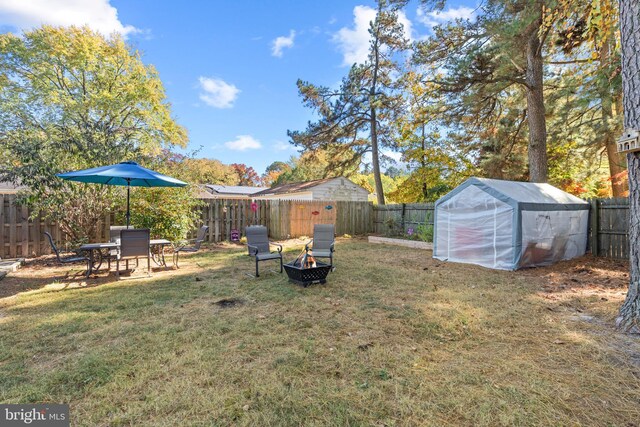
(355,119)
(207,171)
(587,53)
(169,213)
(72,99)
(329,162)
(489,59)
(435,163)
(389,185)
(274,171)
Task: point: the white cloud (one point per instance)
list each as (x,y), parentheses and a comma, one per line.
(354,42)
(281,43)
(407,27)
(243,143)
(217,93)
(97,14)
(282,146)
(437,17)
(393,154)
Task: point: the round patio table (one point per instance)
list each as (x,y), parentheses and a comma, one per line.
(96,256)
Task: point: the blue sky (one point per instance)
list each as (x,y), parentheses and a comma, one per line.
(230,67)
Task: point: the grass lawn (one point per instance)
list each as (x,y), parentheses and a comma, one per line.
(394,338)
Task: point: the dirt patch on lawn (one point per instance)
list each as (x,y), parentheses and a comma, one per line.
(229,302)
(589,291)
(583,273)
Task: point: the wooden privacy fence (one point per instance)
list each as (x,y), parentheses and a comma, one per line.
(295,218)
(223,216)
(397,219)
(609,228)
(22,236)
(284,218)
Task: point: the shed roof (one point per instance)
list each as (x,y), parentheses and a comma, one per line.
(10,188)
(294,187)
(235,189)
(522,192)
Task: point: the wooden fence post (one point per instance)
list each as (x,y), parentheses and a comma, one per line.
(595,226)
(24,232)
(3,249)
(216,218)
(12,227)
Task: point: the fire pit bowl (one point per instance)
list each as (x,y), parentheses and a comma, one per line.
(307,276)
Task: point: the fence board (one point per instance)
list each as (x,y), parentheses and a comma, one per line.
(13,250)
(24,230)
(2,226)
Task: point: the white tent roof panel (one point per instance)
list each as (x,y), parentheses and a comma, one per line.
(530,192)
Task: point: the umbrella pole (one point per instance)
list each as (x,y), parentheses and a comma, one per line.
(128,212)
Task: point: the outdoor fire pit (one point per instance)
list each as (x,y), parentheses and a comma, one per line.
(305,276)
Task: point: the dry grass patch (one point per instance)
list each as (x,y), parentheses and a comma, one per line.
(394,338)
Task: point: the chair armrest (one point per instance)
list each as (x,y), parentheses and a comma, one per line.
(331,248)
(178,245)
(278,245)
(182,243)
(255,249)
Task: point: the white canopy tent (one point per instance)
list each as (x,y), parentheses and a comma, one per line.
(508,225)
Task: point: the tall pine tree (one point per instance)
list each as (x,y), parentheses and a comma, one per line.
(356,118)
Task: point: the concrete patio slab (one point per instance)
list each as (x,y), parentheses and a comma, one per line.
(8,265)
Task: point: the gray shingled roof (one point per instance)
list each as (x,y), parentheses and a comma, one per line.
(7,187)
(234,189)
(294,187)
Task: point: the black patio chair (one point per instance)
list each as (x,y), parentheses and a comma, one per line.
(322,245)
(190,246)
(259,245)
(134,244)
(75,258)
(114,237)
(114,232)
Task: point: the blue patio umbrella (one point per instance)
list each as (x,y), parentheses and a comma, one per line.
(130,174)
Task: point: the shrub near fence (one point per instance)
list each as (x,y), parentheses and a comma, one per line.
(402,216)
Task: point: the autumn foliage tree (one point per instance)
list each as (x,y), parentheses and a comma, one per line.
(72,99)
(246,175)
